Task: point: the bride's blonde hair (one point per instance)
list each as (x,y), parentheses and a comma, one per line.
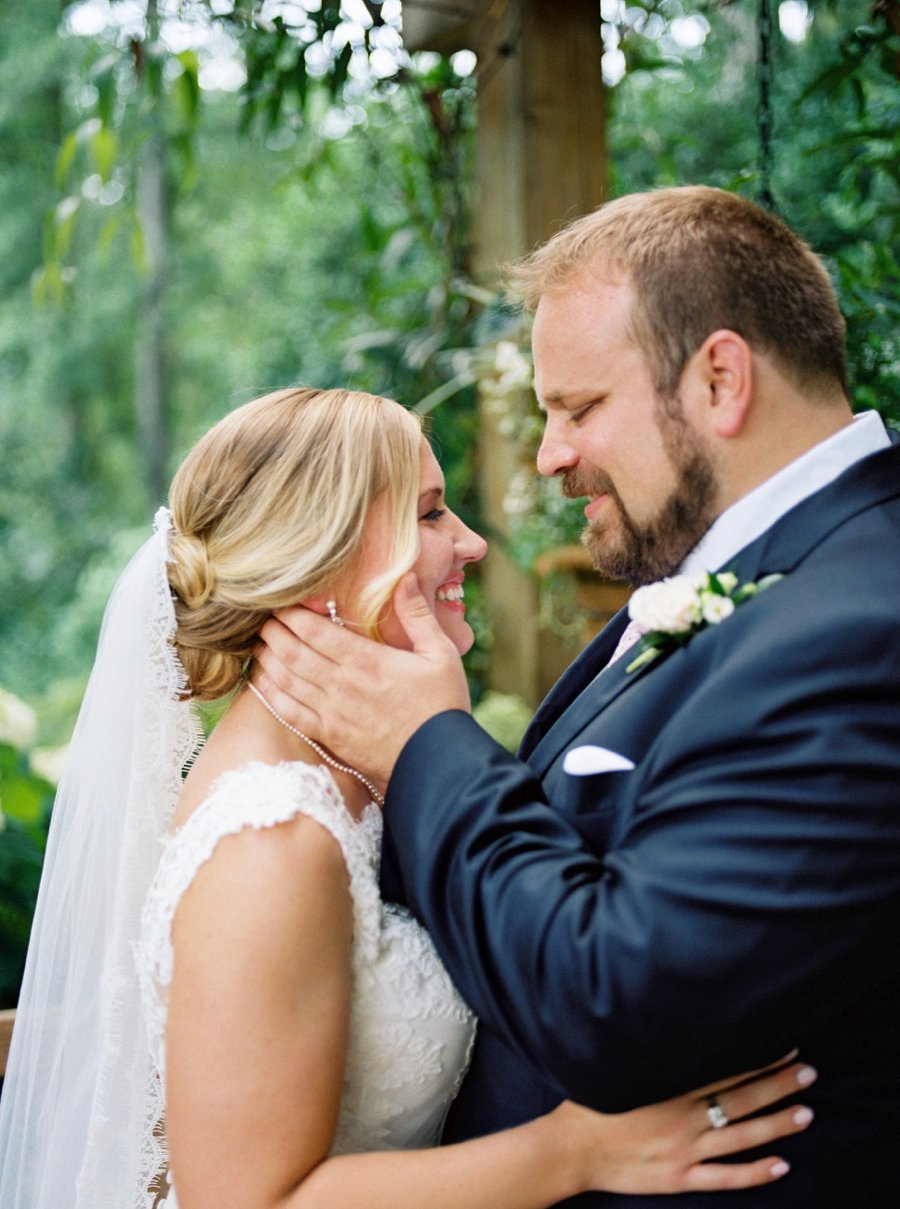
(269,509)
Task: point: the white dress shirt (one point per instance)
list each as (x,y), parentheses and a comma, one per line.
(758,511)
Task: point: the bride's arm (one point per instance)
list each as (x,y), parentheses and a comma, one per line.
(256,1039)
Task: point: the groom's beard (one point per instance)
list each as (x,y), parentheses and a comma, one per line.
(639,553)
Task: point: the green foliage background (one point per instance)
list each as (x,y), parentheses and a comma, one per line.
(25,799)
(296,256)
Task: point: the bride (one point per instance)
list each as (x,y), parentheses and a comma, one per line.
(217,1004)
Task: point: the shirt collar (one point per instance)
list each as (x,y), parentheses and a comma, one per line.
(753,514)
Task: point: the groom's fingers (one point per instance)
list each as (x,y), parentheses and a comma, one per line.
(311,659)
(296,676)
(297,670)
(280,641)
(418,620)
(319,636)
(361,698)
(293,710)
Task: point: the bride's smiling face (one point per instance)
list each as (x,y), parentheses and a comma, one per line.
(446,547)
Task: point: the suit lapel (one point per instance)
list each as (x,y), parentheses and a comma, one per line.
(595,695)
(573,681)
(581,694)
(586,695)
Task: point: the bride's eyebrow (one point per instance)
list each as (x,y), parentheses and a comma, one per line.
(432,493)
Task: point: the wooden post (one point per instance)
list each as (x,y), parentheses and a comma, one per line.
(542,162)
(7,1020)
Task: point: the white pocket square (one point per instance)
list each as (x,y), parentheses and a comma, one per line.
(583,761)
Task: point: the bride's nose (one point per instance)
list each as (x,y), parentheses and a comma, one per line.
(470,546)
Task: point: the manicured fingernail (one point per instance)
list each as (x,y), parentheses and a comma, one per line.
(778,1169)
(803,1116)
(807,1075)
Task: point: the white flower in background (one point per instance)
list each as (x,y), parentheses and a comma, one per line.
(509,373)
(510,362)
(495,401)
(520,494)
(670,606)
(48,762)
(18,721)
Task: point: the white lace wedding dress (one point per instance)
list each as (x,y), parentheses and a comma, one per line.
(410,1033)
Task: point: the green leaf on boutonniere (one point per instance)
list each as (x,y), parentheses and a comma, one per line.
(647,656)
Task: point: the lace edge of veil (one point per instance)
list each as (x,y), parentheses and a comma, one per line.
(171,739)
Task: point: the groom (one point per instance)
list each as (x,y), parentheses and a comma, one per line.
(694,863)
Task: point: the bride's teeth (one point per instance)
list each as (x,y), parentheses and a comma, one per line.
(452,594)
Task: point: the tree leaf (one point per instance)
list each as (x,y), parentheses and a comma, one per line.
(66,158)
(104,149)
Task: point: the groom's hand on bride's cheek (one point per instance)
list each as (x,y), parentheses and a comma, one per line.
(361,698)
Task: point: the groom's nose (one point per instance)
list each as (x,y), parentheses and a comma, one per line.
(555,454)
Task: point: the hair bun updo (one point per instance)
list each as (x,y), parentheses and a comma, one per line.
(191,574)
(214,638)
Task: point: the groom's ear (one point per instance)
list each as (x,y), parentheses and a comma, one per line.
(719,382)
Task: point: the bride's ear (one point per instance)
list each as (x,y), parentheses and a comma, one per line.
(325,606)
(316,604)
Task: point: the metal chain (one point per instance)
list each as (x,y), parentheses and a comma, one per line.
(764,107)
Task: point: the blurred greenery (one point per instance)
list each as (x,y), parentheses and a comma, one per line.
(328,244)
(301,258)
(25,801)
(504,716)
(313,230)
(683,114)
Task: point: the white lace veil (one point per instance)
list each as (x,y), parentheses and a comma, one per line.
(82,1097)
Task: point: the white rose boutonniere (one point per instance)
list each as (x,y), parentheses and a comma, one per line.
(674,610)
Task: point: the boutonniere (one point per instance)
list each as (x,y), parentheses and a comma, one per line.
(674,610)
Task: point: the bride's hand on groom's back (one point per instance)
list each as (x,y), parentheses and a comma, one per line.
(362,699)
(673,1146)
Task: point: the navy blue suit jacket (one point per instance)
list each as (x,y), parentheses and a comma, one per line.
(627,936)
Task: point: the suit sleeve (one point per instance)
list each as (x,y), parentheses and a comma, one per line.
(751,895)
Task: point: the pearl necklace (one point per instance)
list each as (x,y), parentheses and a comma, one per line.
(320,751)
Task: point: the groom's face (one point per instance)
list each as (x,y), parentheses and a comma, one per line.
(647,475)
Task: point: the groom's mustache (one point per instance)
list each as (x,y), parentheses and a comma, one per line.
(577,483)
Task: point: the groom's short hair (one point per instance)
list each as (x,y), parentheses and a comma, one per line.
(701,259)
